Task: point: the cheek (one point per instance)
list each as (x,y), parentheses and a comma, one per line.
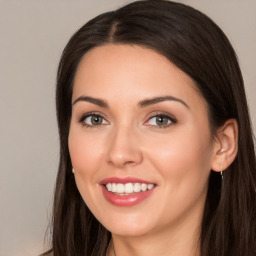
(184,155)
(183,162)
(87,157)
(86,151)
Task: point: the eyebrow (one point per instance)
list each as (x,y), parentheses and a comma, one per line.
(151,101)
(95,101)
(143,103)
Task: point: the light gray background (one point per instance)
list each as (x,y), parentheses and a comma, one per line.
(32,36)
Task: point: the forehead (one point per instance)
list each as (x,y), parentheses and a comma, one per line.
(130,72)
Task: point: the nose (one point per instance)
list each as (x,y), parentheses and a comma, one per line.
(124,149)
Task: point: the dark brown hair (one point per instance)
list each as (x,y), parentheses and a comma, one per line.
(196,45)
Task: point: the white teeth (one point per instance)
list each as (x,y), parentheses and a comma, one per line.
(128,188)
(136,187)
(149,186)
(120,188)
(144,187)
(114,189)
(109,187)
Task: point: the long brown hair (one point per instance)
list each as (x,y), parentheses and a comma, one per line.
(196,45)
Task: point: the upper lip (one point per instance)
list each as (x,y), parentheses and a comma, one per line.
(124,180)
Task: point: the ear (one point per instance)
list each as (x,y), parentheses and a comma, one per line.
(226,146)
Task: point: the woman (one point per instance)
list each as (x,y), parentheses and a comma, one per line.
(156,147)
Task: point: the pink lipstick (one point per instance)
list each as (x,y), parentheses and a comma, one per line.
(127,191)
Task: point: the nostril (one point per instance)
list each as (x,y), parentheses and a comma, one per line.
(122,163)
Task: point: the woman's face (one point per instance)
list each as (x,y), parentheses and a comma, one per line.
(139,141)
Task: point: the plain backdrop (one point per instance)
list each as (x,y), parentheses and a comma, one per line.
(32,37)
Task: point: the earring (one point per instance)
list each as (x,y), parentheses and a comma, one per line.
(73,171)
(221,173)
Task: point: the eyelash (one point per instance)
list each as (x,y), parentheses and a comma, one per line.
(161,115)
(170,118)
(95,114)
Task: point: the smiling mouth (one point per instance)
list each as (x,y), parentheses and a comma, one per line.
(126,191)
(128,188)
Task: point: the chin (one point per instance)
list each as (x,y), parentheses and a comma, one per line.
(128,225)
(128,230)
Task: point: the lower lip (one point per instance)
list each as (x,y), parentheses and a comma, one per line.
(126,200)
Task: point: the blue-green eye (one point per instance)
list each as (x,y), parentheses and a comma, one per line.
(161,121)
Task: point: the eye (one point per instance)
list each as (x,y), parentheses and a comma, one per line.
(93,120)
(161,121)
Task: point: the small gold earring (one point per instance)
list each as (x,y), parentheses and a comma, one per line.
(221,174)
(73,171)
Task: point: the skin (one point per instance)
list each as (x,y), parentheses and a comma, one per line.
(129,142)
